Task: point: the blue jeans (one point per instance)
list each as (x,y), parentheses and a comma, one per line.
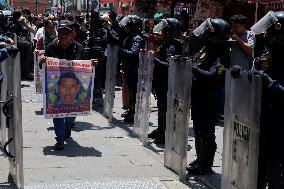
(59,126)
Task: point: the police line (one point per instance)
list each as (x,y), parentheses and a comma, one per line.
(241,126)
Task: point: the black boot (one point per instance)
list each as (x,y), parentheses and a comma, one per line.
(206,157)
(197,140)
(130,116)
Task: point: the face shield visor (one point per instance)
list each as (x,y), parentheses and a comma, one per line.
(203,27)
(159,27)
(265,22)
(124,21)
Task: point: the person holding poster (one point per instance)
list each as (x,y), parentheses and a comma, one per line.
(64,47)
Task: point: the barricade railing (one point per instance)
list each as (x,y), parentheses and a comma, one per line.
(111,69)
(11,118)
(241,131)
(177,123)
(144,87)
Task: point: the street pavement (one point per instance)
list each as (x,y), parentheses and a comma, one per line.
(99,154)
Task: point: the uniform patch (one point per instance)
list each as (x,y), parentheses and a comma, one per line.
(220,69)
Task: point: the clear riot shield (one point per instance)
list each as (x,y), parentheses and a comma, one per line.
(5,66)
(178,106)
(144,87)
(111,69)
(241,132)
(12,118)
(38,72)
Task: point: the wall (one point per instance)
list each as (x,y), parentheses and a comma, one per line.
(31,5)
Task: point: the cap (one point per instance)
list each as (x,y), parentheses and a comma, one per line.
(65,24)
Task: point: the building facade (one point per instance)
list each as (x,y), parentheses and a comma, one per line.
(119,6)
(35,6)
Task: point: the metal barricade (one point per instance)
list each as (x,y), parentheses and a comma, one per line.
(178,105)
(11,118)
(5,66)
(111,69)
(144,87)
(241,131)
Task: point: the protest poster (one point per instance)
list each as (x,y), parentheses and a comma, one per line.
(202,10)
(215,10)
(208,9)
(68,87)
(38,71)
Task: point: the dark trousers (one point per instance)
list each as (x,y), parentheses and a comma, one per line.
(26,58)
(205,145)
(162,109)
(270,169)
(131,73)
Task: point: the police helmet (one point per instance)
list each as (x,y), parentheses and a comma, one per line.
(169,25)
(212,26)
(272,22)
(220,26)
(130,20)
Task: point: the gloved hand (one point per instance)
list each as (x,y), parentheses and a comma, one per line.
(236,71)
(12,50)
(266,80)
(254,72)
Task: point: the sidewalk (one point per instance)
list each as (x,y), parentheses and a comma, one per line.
(99,154)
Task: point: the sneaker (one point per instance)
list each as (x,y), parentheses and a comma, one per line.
(193,164)
(160,140)
(59,146)
(129,118)
(67,132)
(199,171)
(125,107)
(125,114)
(154,134)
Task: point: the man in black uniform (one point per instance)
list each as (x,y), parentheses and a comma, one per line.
(64,48)
(129,54)
(168,30)
(208,79)
(270,67)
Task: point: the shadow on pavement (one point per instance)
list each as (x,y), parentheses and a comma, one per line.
(72,149)
(24,85)
(39,112)
(211,180)
(158,149)
(191,183)
(123,125)
(7,185)
(81,126)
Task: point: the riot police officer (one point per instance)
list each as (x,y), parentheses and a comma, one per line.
(208,81)
(129,53)
(271,68)
(168,30)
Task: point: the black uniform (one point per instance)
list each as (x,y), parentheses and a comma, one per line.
(170,46)
(129,55)
(160,84)
(271,141)
(208,82)
(24,45)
